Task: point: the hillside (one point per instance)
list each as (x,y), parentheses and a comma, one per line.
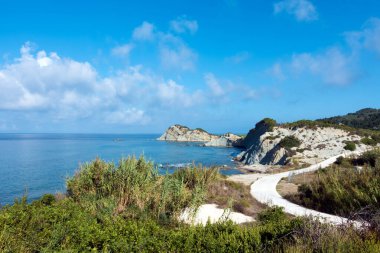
(302,142)
(367,118)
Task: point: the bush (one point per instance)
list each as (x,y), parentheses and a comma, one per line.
(369,141)
(270,123)
(289,142)
(344,190)
(134,188)
(272,215)
(350,145)
(65,226)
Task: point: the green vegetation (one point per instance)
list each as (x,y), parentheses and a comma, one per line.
(66,226)
(135,189)
(289,142)
(201,130)
(346,189)
(130,208)
(230,194)
(312,124)
(268,122)
(350,145)
(366,118)
(369,141)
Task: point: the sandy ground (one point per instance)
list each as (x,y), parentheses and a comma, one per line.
(214,214)
(246,179)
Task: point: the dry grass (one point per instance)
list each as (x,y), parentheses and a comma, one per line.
(228,194)
(288,187)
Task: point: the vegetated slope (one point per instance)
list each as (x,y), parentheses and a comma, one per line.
(349,188)
(367,118)
(130,208)
(302,142)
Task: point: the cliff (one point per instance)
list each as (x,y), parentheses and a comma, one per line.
(226,140)
(185,134)
(272,144)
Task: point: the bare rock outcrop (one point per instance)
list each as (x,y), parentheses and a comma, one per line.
(265,144)
(185,134)
(226,140)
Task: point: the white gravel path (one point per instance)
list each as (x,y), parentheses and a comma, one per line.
(264,190)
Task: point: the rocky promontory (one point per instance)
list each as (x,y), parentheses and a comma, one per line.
(184,134)
(303,142)
(299,143)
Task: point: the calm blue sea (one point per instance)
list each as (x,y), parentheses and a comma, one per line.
(36,164)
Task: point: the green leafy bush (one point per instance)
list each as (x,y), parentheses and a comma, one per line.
(268,122)
(368,141)
(88,219)
(350,145)
(135,189)
(289,142)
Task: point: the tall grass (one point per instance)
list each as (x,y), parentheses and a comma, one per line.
(134,188)
(348,188)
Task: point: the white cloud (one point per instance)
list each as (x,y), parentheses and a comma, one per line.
(214,85)
(67,89)
(172,93)
(183,25)
(368,37)
(175,54)
(333,66)
(303,10)
(277,71)
(181,57)
(122,51)
(238,58)
(144,32)
(127,117)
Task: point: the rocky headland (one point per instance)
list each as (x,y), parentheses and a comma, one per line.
(299,143)
(303,142)
(184,134)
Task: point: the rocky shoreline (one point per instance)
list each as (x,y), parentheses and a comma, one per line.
(181,133)
(270,144)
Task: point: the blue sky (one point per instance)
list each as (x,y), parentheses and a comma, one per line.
(140,66)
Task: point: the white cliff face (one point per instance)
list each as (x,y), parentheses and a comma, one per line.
(317,144)
(185,134)
(227,140)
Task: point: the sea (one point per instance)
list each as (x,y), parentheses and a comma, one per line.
(35,164)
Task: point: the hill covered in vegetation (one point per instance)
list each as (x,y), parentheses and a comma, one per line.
(367,118)
(130,208)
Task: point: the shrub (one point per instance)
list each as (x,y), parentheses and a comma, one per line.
(270,123)
(201,130)
(289,142)
(270,215)
(368,141)
(350,145)
(135,189)
(65,226)
(47,199)
(342,189)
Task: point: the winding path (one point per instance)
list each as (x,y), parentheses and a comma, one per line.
(264,190)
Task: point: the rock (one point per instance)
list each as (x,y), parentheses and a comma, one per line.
(185,134)
(226,140)
(316,144)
